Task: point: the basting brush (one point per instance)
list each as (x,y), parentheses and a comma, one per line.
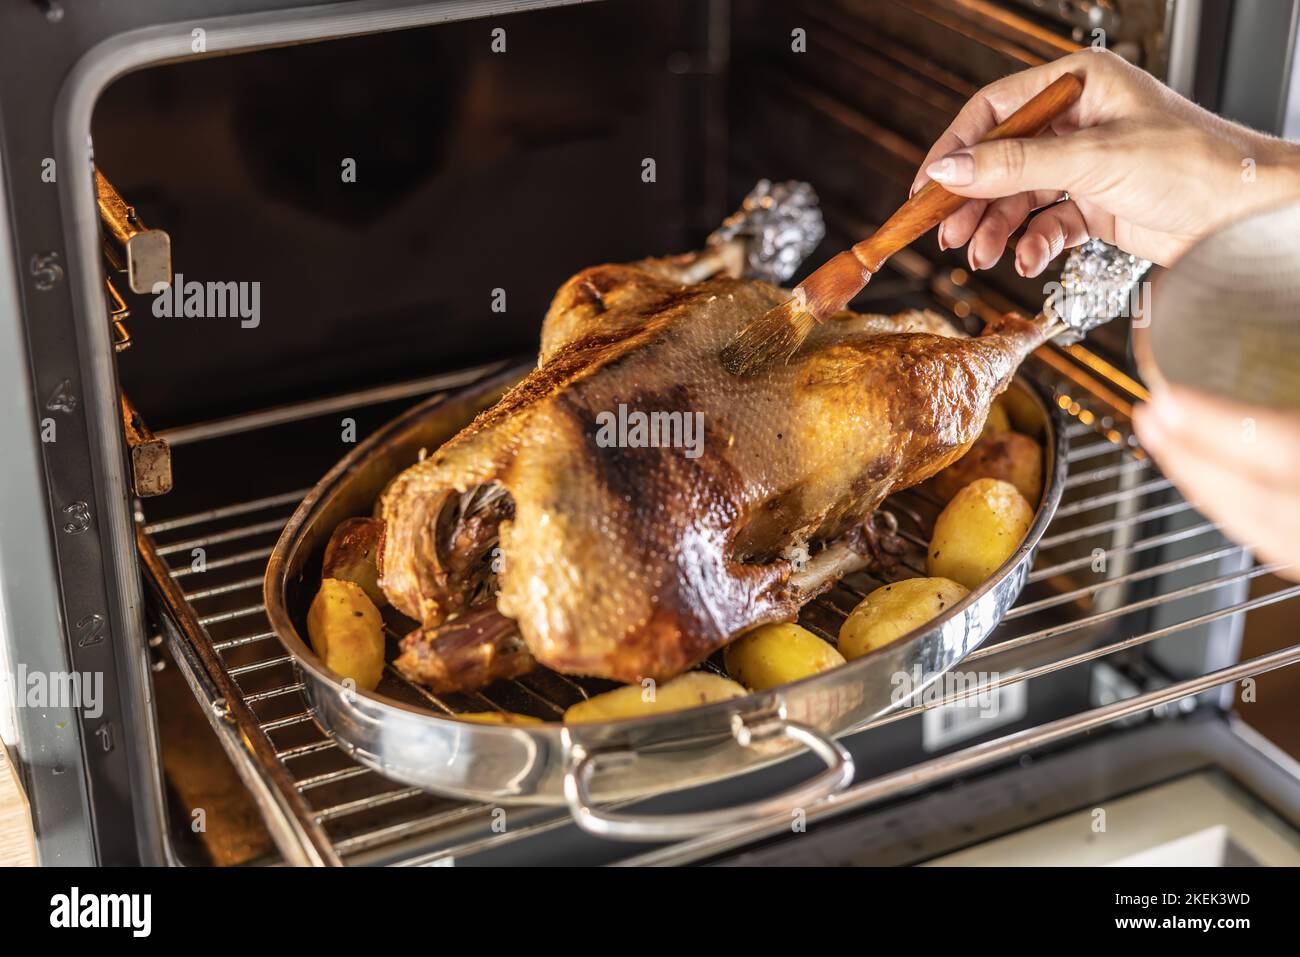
(779,332)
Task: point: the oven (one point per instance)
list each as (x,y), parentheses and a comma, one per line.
(389,192)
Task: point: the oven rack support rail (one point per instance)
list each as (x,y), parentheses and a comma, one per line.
(235,666)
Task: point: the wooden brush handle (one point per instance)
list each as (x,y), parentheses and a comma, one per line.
(932,203)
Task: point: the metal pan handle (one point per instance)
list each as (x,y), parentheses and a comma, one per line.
(671,827)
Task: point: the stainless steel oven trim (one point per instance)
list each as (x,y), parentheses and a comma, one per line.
(29,602)
(105,59)
(1182,24)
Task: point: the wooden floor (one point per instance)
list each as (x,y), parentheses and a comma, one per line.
(17,843)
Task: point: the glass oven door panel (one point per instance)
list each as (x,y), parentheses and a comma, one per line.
(1204,820)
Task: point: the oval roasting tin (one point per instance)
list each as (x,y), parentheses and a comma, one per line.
(589,765)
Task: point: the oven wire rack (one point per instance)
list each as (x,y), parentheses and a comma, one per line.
(323,808)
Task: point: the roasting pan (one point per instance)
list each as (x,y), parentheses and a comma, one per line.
(588,766)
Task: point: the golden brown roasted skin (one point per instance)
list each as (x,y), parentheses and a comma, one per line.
(628,563)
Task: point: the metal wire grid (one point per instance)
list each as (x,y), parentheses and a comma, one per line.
(347,811)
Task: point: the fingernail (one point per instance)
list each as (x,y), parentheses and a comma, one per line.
(1026,267)
(955,169)
(943,245)
(915,186)
(970,258)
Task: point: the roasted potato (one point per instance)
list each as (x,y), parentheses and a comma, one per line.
(1024,413)
(891,611)
(498,717)
(977,531)
(772,655)
(1009,456)
(353,555)
(347,632)
(685,691)
(998,420)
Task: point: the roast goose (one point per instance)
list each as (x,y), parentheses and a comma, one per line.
(629,507)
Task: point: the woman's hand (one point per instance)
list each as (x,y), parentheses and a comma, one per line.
(1238,464)
(1145,169)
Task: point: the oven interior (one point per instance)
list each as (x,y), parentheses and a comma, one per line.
(483,178)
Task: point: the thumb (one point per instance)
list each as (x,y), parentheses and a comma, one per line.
(1006,167)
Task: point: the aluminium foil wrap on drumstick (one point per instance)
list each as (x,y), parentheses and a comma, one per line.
(1097,284)
(780,223)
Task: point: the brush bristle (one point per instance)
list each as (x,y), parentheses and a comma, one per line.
(781,331)
(772,337)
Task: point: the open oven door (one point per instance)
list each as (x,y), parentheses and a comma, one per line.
(1203,789)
